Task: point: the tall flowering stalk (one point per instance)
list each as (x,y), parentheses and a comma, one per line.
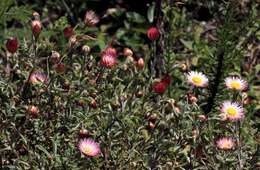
(233,111)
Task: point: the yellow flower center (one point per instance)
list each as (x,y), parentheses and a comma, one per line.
(87,150)
(197,80)
(235,85)
(231,111)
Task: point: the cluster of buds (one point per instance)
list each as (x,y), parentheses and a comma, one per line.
(83,133)
(151,118)
(172,104)
(161,86)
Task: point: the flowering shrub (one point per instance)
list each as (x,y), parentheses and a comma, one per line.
(174,87)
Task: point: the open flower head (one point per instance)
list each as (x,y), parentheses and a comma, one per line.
(89,147)
(38,77)
(91,19)
(197,79)
(232,111)
(225,143)
(235,83)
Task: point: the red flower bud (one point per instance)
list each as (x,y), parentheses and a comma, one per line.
(55,57)
(140,63)
(159,87)
(60,68)
(34,111)
(93,104)
(128,52)
(192,98)
(151,125)
(153,33)
(81,103)
(36,27)
(152,117)
(68,31)
(12,45)
(83,133)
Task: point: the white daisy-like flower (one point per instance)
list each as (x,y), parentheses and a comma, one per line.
(197,79)
(232,111)
(235,83)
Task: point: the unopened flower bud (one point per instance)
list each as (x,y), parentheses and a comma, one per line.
(152,117)
(195,134)
(60,68)
(12,45)
(184,67)
(81,103)
(83,133)
(192,98)
(202,118)
(151,125)
(128,52)
(68,31)
(140,93)
(153,33)
(34,111)
(93,103)
(36,27)
(36,15)
(85,49)
(55,57)
(72,40)
(247,100)
(140,63)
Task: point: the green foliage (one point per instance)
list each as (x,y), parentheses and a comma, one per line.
(136,127)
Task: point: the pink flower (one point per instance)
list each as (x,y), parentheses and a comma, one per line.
(38,77)
(225,143)
(232,111)
(108,61)
(91,19)
(235,83)
(89,147)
